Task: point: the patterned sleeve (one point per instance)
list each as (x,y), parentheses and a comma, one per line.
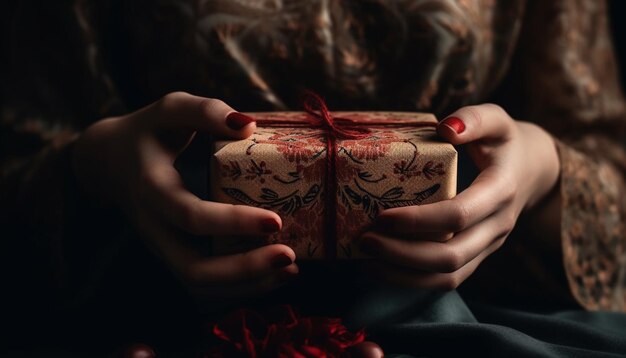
(592,230)
(566,52)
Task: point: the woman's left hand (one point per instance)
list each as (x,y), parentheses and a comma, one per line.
(439,245)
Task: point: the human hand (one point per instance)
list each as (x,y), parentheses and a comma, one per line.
(439,245)
(367,349)
(128,162)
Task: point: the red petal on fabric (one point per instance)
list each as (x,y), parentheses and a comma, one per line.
(313,352)
(234,329)
(289,352)
(247,340)
(281,332)
(293,317)
(220,333)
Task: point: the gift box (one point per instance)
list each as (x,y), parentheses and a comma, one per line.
(328,177)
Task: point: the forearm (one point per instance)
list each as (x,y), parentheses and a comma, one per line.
(543,219)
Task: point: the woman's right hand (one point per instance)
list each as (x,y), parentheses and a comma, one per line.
(128,162)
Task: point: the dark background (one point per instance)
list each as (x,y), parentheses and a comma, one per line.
(618,23)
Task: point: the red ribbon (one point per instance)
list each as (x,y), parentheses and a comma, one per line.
(316,106)
(336,128)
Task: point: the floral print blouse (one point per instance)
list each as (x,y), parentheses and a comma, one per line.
(68,64)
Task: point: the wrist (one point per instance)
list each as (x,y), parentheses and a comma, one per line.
(545,156)
(543,210)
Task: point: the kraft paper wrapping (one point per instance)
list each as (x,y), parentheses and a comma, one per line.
(284,169)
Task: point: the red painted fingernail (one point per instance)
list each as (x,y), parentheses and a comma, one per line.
(270,225)
(370,246)
(455,123)
(236,120)
(280,261)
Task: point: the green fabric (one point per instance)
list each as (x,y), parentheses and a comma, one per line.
(425,324)
(405,322)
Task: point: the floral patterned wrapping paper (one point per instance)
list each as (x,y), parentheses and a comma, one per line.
(283,169)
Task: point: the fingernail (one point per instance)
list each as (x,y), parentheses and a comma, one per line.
(370,246)
(455,124)
(280,261)
(236,120)
(270,226)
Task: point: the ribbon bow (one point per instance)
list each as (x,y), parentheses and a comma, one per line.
(343,128)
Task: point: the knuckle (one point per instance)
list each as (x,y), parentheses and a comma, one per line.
(451,282)
(171,100)
(452,260)
(499,242)
(500,113)
(507,224)
(496,108)
(443,237)
(459,217)
(249,264)
(508,191)
(474,113)
(210,105)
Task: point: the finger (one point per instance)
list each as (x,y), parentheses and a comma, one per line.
(488,193)
(164,190)
(437,256)
(427,280)
(483,122)
(171,245)
(366,350)
(246,266)
(185,111)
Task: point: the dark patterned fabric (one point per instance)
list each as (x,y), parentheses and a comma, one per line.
(66,64)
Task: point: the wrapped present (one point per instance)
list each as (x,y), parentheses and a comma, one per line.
(329,181)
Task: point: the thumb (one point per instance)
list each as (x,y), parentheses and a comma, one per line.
(180,110)
(485,122)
